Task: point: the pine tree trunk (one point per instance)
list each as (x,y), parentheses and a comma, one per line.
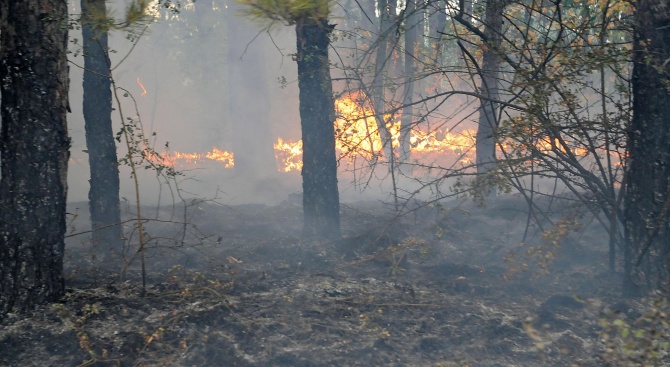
(421,8)
(34,152)
(317,115)
(382,60)
(437,20)
(411,32)
(440,25)
(103,196)
(646,201)
(489,90)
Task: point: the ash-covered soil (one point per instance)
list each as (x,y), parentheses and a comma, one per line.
(240,287)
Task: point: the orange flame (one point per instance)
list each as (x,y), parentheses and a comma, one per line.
(358,135)
(172,158)
(356,127)
(442,142)
(289,154)
(144,91)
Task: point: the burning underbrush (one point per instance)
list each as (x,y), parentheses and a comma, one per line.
(242,288)
(357,140)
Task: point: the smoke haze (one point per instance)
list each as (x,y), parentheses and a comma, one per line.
(202,78)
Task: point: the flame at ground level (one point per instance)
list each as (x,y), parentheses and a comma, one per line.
(174,158)
(431,145)
(357,136)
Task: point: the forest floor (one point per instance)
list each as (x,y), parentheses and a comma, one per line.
(436,287)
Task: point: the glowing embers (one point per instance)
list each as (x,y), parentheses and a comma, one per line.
(175,159)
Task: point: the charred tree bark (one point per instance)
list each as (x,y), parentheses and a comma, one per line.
(647,195)
(321,202)
(489,90)
(103,195)
(34,152)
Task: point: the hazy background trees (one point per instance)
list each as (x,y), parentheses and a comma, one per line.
(103,196)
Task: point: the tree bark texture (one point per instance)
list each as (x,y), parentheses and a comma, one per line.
(103,195)
(317,115)
(34,151)
(489,90)
(646,201)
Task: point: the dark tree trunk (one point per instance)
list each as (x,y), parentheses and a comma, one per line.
(647,199)
(249,99)
(317,115)
(103,196)
(489,90)
(411,32)
(34,151)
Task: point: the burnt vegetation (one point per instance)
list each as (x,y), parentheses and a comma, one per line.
(428,290)
(432,183)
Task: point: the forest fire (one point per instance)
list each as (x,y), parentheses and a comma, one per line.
(356,127)
(358,136)
(173,158)
(288,155)
(443,142)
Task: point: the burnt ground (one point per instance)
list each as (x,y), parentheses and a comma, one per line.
(436,287)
